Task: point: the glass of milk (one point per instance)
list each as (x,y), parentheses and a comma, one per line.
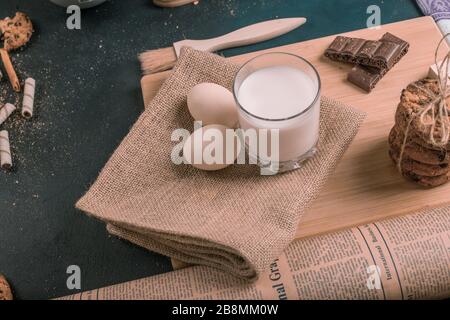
(279,93)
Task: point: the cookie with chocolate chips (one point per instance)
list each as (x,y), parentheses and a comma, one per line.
(413,100)
(16,31)
(422,169)
(418,152)
(415,138)
(428,182)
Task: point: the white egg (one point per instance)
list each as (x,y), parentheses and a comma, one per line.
(213,147)
(212,104)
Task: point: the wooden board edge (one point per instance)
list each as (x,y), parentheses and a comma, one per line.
(145,77)
(300,235)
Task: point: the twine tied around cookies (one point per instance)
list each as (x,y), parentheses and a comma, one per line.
(436,109)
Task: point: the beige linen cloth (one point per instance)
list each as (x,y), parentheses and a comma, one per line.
(235,219)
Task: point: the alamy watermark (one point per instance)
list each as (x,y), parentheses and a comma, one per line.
(73,22)
(212,146)
(73,282)
(374,20)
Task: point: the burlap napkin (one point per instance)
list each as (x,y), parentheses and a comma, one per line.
(234,219)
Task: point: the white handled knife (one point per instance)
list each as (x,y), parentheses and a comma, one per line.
(163,59)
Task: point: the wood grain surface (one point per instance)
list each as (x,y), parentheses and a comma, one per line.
(365,186)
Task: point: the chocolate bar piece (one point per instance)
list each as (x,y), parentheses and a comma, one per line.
(381,54)
(392,53)
(367,77)
(345,49)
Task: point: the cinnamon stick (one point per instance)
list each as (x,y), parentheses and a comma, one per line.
(13,79)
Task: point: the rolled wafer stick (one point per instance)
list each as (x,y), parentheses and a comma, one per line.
(5,111)
(12,75)
(5,151)
(28,98)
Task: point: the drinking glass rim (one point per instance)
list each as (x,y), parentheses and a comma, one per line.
(278,53)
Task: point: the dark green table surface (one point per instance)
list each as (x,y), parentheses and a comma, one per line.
(87,98)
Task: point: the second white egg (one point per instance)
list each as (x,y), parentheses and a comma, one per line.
(211,148)
(212,104)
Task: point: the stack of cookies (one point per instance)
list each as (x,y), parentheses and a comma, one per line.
(422,161)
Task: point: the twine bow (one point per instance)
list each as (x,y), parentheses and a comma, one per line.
(436,109)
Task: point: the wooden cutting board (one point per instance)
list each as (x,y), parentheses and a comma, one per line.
(365,186)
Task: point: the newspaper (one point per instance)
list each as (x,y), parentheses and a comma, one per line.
(406,257)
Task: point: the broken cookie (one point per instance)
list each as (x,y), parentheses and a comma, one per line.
(5,289)
(16,31)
